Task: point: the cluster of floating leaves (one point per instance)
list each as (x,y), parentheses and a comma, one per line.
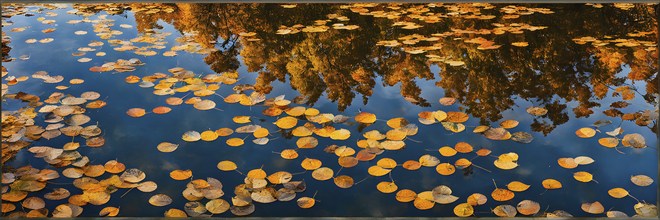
(64,115)
(204,195)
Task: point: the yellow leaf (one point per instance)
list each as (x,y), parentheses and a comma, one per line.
(181,174)
(617,193)
(608,142)
(241,119)
(551,184)
(209,135)
(235,142)
(585,132)
(261,132)
(387,187)
(447,151)
(463,210)
(517,186)
(286,122)
(365,117)
(310,164)
(583,176)
(341,134)
(405,195)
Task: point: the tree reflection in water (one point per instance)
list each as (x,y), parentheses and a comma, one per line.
(552,70)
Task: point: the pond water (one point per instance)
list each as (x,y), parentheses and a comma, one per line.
(494,76)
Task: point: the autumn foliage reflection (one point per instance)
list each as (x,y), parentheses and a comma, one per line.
(342,64)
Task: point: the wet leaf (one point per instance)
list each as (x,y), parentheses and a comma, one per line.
(109,211)
(617,193)
(387,187)
(136,112)
(160,200)
(593,208)
(305,202)
(463,210)
(528,207)
(608,142)
(365,117)
(502,195)
(641,180)
(517,186)
(191,136)
(537,111)
(505,211)
(344,181)
(583,176)
(286,122)
(217,206)
(167,147)
(323,173)
(585,132)
(181,174)
(633,140)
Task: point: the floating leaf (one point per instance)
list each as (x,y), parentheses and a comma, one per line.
(167,147)
(463,210)
(148,186)
(583,176)
(551,184)
(344,181)
(405,195)
(585,132)
(616,214)
(477,199)
(505,211)
(209,135)
(617,193)
(305,202)
(204,105)
(568,163)
(191,136)
(445,169)
(507,124)
(307,142)
(641,180)
(522,137)
(365,117)
(609,142)
(537,111)
(181,174)
(583,160)
(136,112)
(502,195)
(633,140)
(424,200)
(217,206)
(387,187)
(33,203)
(463,147)
(235,142)
(226,165)
(646,210)
(286,122)
(109,211)
(447,151)
(160,200)
(497,134)
(528,207)
(161,110)
(593,208)
(517,186)
(457,117)
(341,134)
(310,164)
(323,173)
